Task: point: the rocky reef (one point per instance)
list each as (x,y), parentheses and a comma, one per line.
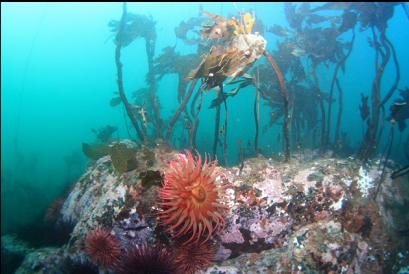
(311,215)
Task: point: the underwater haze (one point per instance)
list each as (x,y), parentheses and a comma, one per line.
(230,81)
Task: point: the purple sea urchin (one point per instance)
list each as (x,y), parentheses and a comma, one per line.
(102,247)
(193,257)
(146,259)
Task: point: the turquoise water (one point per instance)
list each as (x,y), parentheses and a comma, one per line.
(58,76)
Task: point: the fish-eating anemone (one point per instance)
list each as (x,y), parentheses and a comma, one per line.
(191,199)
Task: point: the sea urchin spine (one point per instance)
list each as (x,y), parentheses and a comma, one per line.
(102,247)
(193,257)
(191,199)
(147,259)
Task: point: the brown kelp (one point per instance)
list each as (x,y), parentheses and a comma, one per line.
(150,42)
(226,48)
(189,31)
(314,35)
(301,100)
(232,49)
(170,62)
(230,58)
(180,109)
(340,108)
(123,38)
(104,134)
(123,157)
(284,94)
(339,64)
(129,28)
(375,16)
(310,36)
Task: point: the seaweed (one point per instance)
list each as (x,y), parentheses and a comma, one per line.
(375,16)
(148,156)
(95,152)
(122,39)
(151,178)
(104,134)
(123,158)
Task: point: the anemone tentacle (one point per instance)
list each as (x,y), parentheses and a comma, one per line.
(191,198)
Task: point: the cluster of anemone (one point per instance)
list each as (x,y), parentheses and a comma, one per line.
(191,199)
